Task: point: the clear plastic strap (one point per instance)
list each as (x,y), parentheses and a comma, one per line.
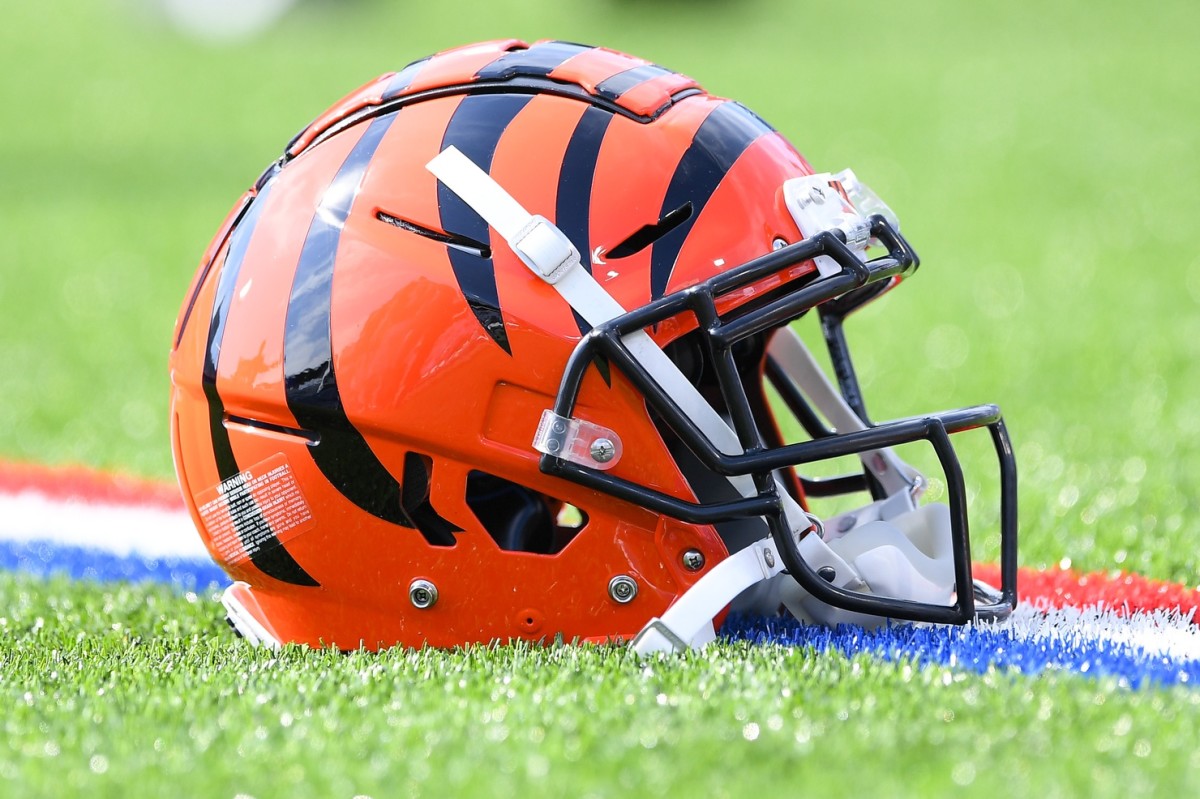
(817,207)
(577,441)
(865,200)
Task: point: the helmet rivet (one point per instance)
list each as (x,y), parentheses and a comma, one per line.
(778,244)
(693,560)
(827,573)
(423,594)
(848,521)
(769,558)
(622,589)
(603,450)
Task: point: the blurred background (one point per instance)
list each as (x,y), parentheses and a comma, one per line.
(1042,158)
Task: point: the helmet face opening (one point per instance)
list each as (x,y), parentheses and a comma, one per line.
(500,348)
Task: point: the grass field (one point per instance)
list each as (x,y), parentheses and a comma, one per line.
(1043,160)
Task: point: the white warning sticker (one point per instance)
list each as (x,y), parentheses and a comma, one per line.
(254,510)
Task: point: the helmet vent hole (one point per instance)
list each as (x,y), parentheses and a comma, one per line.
(519,519)
(310,437)
(646,235)
(463,243)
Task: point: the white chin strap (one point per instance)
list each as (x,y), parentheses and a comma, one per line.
(901,552)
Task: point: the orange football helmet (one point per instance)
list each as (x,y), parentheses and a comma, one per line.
(482,356)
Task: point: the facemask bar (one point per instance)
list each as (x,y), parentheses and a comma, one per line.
(852,284)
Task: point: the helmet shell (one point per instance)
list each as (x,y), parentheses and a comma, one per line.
(359,353)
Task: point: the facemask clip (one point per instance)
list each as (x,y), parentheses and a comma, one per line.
(817,206)
(577,441)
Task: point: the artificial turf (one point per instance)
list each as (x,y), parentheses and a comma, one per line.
(119,690)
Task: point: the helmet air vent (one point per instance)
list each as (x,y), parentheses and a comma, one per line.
(462,243)
(646,235)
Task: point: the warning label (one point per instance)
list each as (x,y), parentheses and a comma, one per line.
(254,510)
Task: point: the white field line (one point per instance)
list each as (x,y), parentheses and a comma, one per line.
(118,529)
(1165,633)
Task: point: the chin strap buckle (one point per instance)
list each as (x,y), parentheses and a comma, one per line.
(545,249)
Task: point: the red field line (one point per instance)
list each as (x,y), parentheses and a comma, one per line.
(88,485)
(1121,592)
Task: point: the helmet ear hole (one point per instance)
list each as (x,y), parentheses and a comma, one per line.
(519,519)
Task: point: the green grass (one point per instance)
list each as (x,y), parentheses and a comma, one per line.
(113,691)
(1043,160)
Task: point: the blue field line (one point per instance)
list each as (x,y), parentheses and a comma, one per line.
(976,649)
(46,558)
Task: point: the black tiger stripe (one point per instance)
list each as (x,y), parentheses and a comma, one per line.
(417,507)
(475,129)
(271,559)
(613,87)
(310,383)
(573,209)
(721,139)
(536,61)
(403,79)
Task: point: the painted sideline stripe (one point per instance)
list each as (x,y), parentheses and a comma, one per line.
(126,516)
(1136,649)
(87,485)
(97,526)
(48,558)
(116,529)
(1121,591)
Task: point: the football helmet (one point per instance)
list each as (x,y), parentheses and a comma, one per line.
(500,349)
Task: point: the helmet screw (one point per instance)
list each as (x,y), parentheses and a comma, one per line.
(423,594)
(603,450)
(622,589)
(693,560)
(827,573)
(778,244)
(769,558)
